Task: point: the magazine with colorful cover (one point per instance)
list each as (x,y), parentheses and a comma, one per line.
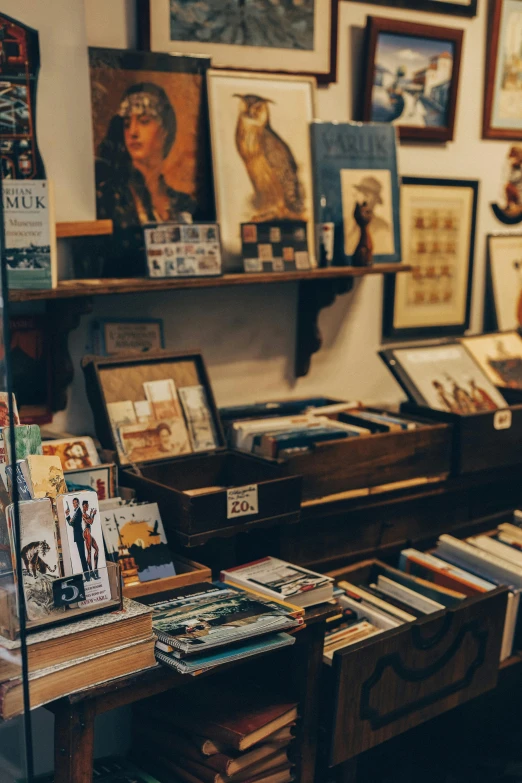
(197,621)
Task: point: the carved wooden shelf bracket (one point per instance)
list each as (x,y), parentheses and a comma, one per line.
(314,296)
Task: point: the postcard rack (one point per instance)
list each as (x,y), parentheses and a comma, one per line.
(63,600)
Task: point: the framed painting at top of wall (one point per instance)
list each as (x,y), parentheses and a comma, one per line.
(291,36)
(453,7)
(503,98)
(412,76)
(261,153)
(438,219)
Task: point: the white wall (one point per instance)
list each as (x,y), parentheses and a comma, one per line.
(248,334)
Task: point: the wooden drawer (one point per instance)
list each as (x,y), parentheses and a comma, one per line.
(392,682)
(357,463)
(481,441)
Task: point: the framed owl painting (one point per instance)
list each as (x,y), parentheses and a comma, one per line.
(260,132)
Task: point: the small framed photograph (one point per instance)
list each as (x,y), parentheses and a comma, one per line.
(412,77)
(500,357)
(502,102)
(297,37)
(453,7)
(438,220)
(505,280)
(175,250)
(444,377)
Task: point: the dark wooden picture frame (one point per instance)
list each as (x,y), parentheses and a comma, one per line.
(389,331)
(143,22)
(378,25)
(492,54)
(431,6)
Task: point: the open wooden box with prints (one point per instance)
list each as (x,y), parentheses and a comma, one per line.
(158,413)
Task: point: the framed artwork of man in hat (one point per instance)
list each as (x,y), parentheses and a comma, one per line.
(355,170)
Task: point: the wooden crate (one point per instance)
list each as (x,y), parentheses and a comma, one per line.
(374,460)
(389,683)
(481,441)
(191,519)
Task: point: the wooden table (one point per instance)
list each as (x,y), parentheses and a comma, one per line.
(75,714)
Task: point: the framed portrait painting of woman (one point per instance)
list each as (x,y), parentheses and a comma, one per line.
(291,36)
(151,144)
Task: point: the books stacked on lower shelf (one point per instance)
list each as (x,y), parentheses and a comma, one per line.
(78,655)
(204,625)
(217,735)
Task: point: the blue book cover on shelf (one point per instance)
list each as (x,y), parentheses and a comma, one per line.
(355,164)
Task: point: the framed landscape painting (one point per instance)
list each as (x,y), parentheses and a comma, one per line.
(503,99)
(291,36)
(438,218)
(260,133)
(453,7)
(412,77)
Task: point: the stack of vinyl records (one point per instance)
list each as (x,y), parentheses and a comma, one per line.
(202,626)
(218,735)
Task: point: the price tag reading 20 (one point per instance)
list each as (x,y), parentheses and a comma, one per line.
(242,501)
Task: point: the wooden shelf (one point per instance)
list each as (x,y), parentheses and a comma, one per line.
(68,289)
(83,228)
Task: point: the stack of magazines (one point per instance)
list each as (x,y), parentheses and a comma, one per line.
(202,626)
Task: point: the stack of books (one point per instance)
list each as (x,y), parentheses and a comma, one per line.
(78,655)
(217,735)
(201,626)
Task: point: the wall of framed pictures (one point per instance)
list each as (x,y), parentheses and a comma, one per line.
(248,333)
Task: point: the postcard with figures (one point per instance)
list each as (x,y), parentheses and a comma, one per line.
(28,440)
(39,554)
(500,357)
(4,409)
(154,440)
(355,165)
(102,479)
(46,478)
(73,452)
(139,530)
(198,417)
(82,543)
(163,398)
(444,377)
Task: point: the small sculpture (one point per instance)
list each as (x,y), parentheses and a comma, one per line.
(363,255)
